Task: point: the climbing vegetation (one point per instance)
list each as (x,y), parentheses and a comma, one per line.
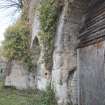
(49,12)
(44,98)
(48,97)
(16,43)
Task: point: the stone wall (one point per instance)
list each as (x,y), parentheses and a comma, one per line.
(73,74)
(19,77)
(41,77)
(2,68)
(92,74)
(64,73)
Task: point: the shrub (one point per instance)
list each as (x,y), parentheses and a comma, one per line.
(44,98)
(16,43)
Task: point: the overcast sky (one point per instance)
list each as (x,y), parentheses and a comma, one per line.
(7,17)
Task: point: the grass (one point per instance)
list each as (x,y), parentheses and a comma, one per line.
(11,96)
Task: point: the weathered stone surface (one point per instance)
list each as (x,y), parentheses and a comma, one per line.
(64,73)
(92,74)
(42,76)
(88,66)
(32,8)
(42,80)
(65,67)
(2,68)
(19,77)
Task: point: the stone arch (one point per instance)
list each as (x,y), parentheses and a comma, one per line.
(35,51)
(36,41)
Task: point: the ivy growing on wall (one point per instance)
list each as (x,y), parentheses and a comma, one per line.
(16,43)
(48,16)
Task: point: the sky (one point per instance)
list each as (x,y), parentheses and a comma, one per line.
(7,18)
(4,23)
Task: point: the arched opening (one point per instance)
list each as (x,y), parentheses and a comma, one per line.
(35,52)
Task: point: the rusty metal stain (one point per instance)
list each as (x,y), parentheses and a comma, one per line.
(98,44)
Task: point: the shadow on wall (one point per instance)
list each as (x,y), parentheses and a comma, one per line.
(2,70)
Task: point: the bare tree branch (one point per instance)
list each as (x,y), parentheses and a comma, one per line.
(11,3)
(12,7)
